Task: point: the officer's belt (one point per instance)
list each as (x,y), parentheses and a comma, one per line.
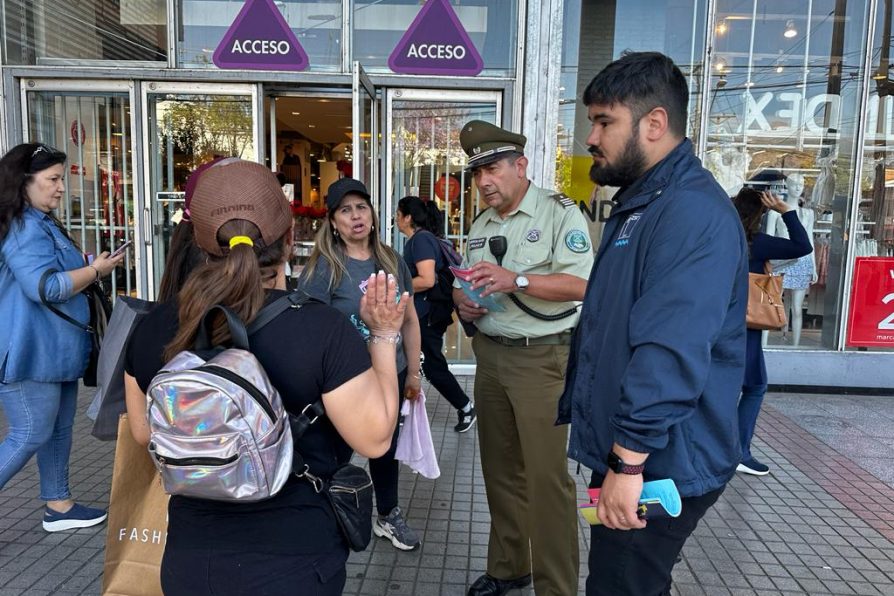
(555,339)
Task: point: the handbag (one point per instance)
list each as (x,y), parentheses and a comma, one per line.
(100,308)
(349,490)
(766,310)
(108,403)
(138,522)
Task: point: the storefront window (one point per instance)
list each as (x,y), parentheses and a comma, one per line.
(596,32)
(872,302)
(785,88)
(492,25)
(316,25)
(45,32)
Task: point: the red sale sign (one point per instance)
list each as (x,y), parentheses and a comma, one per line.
(871,318)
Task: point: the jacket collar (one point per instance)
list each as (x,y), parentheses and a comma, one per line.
(650,185)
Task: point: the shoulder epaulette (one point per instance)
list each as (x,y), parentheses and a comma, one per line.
(562,199)
(480,213)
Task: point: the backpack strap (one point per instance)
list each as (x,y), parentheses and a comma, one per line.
(274,309)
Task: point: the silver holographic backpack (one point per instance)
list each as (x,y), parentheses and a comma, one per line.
(218,429)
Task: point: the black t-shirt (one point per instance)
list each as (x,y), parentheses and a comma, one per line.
(305,353)
(422,246)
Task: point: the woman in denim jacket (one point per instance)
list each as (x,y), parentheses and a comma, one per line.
(41,355)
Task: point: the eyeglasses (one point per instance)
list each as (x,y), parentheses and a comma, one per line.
(43,148)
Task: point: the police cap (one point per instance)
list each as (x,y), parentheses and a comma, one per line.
(484,143)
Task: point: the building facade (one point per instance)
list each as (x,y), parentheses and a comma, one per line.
(791,94)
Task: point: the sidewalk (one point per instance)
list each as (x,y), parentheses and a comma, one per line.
(821,523)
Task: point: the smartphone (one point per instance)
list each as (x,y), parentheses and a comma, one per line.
(120,249)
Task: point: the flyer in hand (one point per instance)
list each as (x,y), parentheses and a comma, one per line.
(659,499)
(489,302)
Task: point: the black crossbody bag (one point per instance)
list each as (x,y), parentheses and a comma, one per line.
(350,489)
(100,312)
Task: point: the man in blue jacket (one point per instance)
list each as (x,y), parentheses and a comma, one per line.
(659,354)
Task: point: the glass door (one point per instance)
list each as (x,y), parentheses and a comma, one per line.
(426,160)
(186,126)
(365,137)
(100,209)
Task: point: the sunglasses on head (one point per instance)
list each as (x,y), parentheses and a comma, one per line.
(45,149)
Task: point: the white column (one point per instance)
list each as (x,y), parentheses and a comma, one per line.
(540,88)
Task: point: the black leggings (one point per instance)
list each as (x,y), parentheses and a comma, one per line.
(385,470)
(435,365)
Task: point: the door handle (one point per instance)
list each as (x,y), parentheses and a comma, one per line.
(147,227)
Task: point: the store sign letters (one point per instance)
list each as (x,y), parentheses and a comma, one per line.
(436,43)
(871,317)
(260,39)
(793,113)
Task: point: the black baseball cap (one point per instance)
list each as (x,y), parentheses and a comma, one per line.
(344,186)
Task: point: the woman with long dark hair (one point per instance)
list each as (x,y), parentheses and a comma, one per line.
(751,205)
(421,223)
(289,543)
(347,250)
(42,356)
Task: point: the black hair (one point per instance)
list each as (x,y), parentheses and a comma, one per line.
(281,178)
(424,215)
(750,208)
(16,168)
(184,255)
(643,81)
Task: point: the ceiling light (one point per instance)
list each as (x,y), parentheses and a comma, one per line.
(779,68)
(296,113)
(790,30)
(311,125)
(722,27)
(720,65)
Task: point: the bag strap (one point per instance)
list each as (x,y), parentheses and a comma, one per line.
(274,309)
(42,291)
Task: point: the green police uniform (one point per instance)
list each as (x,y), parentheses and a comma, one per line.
(520,376)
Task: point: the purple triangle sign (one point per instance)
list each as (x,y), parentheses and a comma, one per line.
(260,39)
(436,43)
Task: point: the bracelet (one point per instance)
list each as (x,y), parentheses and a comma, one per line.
(385,339)
(96,271)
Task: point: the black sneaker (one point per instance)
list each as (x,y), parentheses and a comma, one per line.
(395,528)
(753,467)
(466,420)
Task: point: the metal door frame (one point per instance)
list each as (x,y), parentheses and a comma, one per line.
(147,88)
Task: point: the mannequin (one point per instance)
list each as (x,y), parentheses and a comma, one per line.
(800,273)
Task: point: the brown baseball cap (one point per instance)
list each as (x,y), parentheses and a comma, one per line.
(238,189)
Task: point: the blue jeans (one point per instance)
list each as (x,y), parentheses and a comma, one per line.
(749,408)
(40,416)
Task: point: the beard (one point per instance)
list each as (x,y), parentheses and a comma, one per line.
(630,165)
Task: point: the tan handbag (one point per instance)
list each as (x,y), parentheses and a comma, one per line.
(766,310)
(138,522)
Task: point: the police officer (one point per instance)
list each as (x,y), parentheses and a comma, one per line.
(529,253)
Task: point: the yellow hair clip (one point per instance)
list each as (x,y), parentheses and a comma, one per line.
(240,240)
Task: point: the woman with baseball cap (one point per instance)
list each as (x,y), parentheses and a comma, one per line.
(346,251)
(289,543)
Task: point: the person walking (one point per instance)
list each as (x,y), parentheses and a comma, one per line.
(418,221)
(42,356)
(346,252)
(291,541)
(658,358)
(529,251)
(751,205)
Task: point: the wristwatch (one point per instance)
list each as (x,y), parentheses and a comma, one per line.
(521,282)
(617,465)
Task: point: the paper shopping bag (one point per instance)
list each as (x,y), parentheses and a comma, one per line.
(138,522)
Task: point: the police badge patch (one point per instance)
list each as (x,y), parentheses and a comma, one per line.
(533,235)
(476,243)
(577,241)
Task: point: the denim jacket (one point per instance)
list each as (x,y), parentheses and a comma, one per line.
(35,344)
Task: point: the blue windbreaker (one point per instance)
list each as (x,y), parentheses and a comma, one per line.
(658,357)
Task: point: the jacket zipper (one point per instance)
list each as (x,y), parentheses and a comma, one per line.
(196,461)
(249,388)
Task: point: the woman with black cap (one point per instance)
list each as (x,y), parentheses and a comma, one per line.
(42,356)
(346,251)
(289,543)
